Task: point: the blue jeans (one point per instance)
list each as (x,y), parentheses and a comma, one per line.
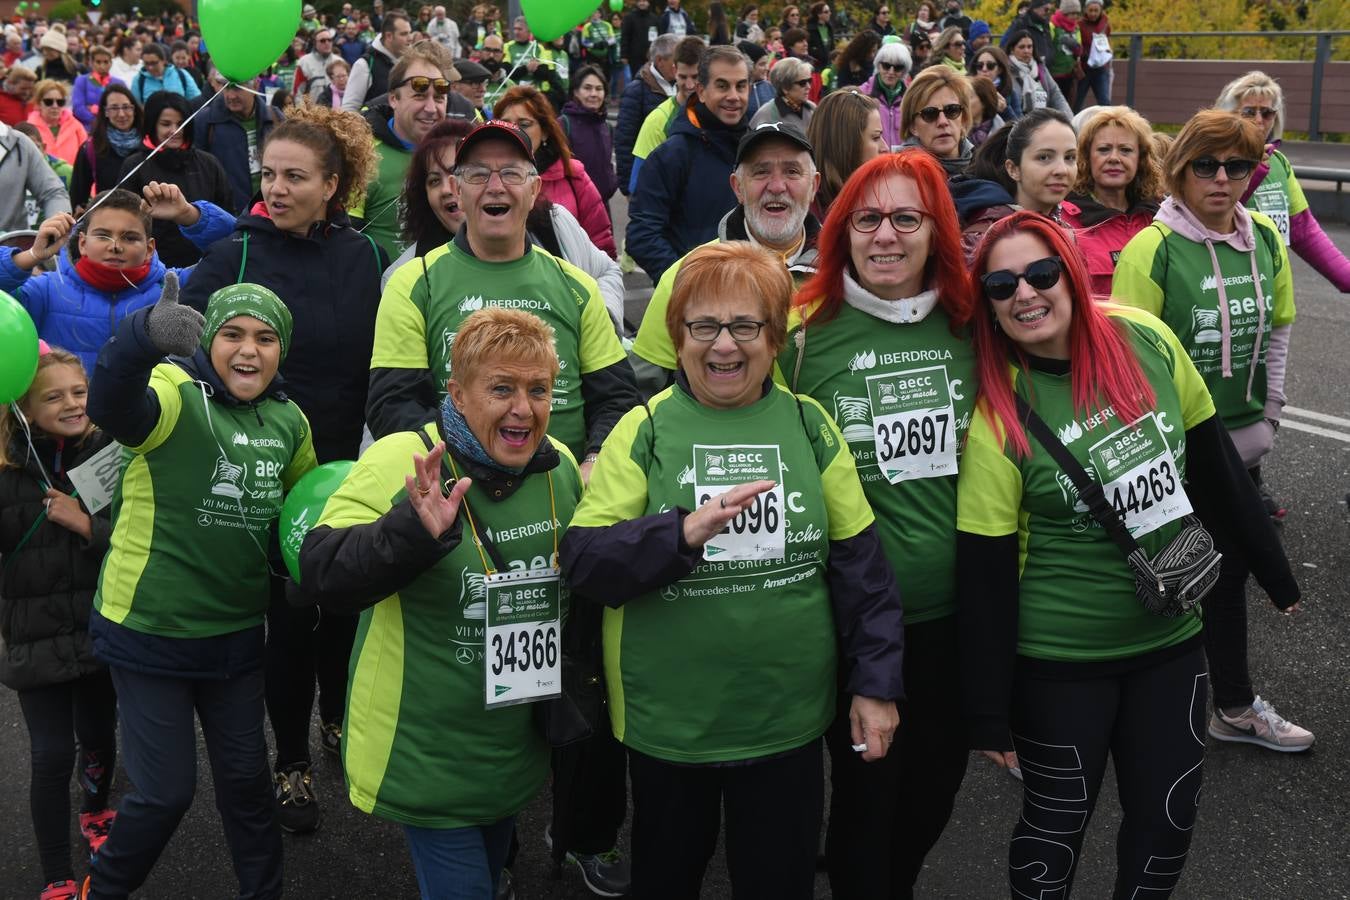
(460,863)
(1099,80)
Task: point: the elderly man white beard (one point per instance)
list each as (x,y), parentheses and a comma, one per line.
(776,220)
(775,182)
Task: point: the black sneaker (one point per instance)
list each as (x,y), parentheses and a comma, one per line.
(506,890)
(297,807)
(605,874)
(330,738)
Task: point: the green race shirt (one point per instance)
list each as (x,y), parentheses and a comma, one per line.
(383,200)
(1076,600)
(846,364)
(418,746)
(1279,196)
(1173,278)
(737,659)
(192,516)
(427,299)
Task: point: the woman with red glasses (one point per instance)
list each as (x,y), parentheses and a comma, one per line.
(1273,188)
(883,320)
(1219,276)
(1062,662)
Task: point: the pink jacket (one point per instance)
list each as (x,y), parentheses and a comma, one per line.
(70,134)
(578,195)
(1102,233)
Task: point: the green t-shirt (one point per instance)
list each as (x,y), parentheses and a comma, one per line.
(910,390)
(1279,195)
(383,202)
(655,128)
(418,746)
(737,659)
(1173,278)
(193,513)
(426,299)
(1076,599)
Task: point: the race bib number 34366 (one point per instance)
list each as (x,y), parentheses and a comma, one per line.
(1140,476)
(522,658)
(758,532)
(913,424)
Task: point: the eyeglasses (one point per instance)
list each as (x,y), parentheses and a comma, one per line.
(119,109)
(1042,275)
(493,51)
(805,82)
(482,175)
(890,67)
(421,84)
(323,40)
(53,101)
(957,44)
(1265,112)
(986,65)
(952,111)
(903,220)
(742,330)
(1207,167)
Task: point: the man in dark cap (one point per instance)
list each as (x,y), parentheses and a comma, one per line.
(472,86)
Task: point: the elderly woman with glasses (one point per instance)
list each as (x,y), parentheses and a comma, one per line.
(887,86)
(1218,275)
(727,533)
(791,80)
(1273,188)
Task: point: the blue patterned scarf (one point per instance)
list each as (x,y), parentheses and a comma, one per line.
(463,442)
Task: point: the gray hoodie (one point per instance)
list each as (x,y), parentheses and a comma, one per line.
(24,170)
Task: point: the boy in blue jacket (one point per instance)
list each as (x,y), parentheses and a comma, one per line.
(113,272)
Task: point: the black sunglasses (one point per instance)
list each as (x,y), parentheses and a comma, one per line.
(53,101)
(952,111)
(805,82)
(1207,167)
(891,67)
(1042,274)
(987,65)
(421,84)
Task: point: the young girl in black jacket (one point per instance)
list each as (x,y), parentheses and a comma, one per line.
(51,550)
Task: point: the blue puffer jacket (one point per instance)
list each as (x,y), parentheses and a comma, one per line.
(72,314)
(683,191)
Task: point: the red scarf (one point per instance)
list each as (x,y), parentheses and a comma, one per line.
(150,144)
(109,280)
(100,80)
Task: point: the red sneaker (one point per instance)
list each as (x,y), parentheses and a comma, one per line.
(60,890)
(95,827)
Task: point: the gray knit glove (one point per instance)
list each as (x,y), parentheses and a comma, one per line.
(175,330)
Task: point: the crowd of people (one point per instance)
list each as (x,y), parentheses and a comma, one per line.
(887,472)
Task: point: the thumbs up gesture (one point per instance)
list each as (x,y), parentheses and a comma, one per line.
(174,329)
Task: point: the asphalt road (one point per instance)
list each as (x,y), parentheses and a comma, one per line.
(1271,825)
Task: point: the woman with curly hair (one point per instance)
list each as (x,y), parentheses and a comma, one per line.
(298,241)
(1118,189)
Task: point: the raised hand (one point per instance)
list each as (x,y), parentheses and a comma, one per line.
(176,330)
(710,518)
(166,201)
(436,510)
(51,237)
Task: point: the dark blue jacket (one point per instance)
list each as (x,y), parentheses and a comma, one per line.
(683,191)
(219,133)
(640,96)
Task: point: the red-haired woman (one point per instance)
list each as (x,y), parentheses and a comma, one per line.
(1062,662)
(563,178)
(878,338)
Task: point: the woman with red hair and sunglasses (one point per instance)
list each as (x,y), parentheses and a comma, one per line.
(878,337)
(1061,662)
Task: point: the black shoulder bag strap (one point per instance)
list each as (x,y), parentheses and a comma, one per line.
(497,559)
(1089,490)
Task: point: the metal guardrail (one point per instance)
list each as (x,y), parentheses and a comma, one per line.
(1321,173)
(1321,54)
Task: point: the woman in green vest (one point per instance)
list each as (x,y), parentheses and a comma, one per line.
(1062,662)
(878,338)
(726,532)
(1218,275)
(445,540)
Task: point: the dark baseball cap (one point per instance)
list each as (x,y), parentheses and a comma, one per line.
(787,131)
(471,71)
(496,130)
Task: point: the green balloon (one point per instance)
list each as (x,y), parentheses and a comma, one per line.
(891,39)
(549,19)
(247,36)
(18,349)
(303,506)
(616,5)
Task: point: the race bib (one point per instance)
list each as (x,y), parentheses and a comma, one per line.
(522,662)
(652,34)
(913,424)
(1140,477)
(96,478)
(1272,201)
(757,532)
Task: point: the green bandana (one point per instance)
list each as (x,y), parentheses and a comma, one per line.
(247,300)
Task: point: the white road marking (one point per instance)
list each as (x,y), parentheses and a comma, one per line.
(1316,416)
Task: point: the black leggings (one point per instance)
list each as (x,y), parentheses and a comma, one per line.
(56,716)
(1226,620)
(1151,720)
(886,815)
(302,643)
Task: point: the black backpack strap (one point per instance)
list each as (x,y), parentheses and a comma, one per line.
(497,559)
(1089,491)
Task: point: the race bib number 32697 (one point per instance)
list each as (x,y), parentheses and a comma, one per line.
(758,532)
(913,424)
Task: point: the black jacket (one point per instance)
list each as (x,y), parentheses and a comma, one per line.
(103,174)
(633,40)
(47,587)
(330,281)
(200,176)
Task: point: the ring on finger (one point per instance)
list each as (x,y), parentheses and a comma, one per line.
(722,501)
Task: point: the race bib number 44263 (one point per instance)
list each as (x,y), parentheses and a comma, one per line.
(1140,476)
(758,532)
(913,424)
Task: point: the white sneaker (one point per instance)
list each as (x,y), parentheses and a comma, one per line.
(1260,724)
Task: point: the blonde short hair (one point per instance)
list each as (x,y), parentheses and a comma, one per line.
(505,335)
(925,85)
(1211,132)
(49,84)
(1147,183)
